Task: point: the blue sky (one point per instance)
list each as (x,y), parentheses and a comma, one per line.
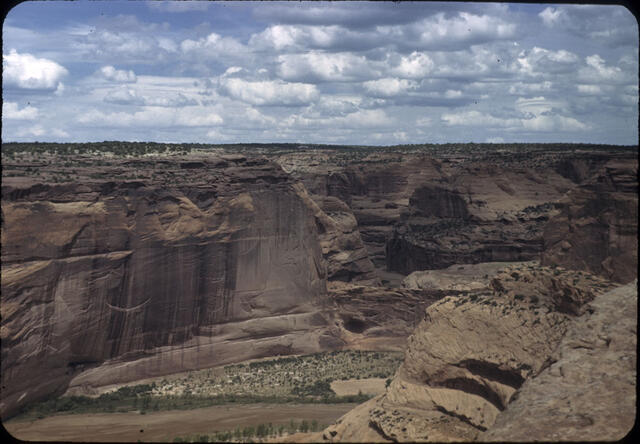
(375,73)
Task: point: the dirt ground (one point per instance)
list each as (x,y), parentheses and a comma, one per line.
(368,386)
(166,425)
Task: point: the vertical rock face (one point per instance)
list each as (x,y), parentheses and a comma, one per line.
(434,201)
(376,190)
(342,247)
(128,280)
(484,216)
(418,210)
(597,228)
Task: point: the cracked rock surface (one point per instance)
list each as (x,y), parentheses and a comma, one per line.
(472,353)
(588,393)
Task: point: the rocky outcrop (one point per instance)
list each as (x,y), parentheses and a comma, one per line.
(471,354)
(461,278)
(376,188)
(378,318)
(494,217)
(113,281)
(597,227)
(418,211)
(587,392)
(346,256)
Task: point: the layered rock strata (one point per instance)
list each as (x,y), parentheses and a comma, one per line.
(107,281)
(346,256)
(429,210)
(480,217)
(376,189)
(597,226)
(378,318)
(470,355)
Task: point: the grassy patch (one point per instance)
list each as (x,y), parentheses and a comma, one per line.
(255,433)
(292,379)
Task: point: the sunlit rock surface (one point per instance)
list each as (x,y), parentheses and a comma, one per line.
(587,392)
(471,354)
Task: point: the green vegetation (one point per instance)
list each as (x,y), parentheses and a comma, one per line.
(296,376)
(75,162)
(144,402)
(255,433)
(114,147)
(291,379)
(138,148)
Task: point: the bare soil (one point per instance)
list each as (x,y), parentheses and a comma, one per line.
(368,386)
(166,425)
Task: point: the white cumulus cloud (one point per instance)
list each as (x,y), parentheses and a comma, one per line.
(464,29)
(30,72)
(270,92)
(328,67)
(550,16)
(118,75)
(477,118)
(190,116)
(597,71)
(413,66)
(389,87)
(10,110)
(213,46)
(553,123)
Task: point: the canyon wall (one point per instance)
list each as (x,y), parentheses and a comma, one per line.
(597,226)
(141,267)
(482,213)
(587,390)
(110,282)
(417,211)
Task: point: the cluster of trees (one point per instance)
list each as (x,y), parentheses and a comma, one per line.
(133,398)
(260,431)
(318,388)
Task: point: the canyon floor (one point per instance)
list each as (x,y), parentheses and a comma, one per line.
(189,425)
(355,373)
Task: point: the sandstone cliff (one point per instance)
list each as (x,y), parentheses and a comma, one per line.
(470,355)
(597,227)
(476,216)
(346,256)
(113,281)
(379,318)
(429,210)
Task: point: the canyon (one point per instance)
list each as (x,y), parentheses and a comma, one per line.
(482,263)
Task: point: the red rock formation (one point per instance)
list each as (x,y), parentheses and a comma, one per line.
(115,281)
(419,211)
(597,227)
(342,247)
(476,216)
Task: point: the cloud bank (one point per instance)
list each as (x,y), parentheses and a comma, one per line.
(320,72)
